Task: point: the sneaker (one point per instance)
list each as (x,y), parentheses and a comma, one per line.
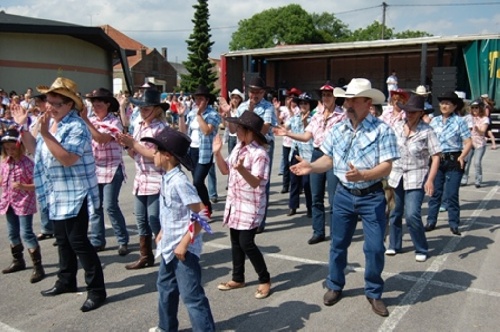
(442,209)
(390,252)
(420,257)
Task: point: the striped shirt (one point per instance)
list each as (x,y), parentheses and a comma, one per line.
(266,111)
(23,202)
(318,126)
(305,149)
(372,143)
(451,133)
(211,117)
(62,189)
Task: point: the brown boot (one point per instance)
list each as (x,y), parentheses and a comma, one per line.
(38,271)
(18,262)
(146,250)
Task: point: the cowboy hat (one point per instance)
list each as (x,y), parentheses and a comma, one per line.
(106,96)
(416,103)
(237,93)
(250,121)
(477,102)
(327,86)
(421,90)
(203,90)
(257,82)
(404,94)
(360,87)
(293,92)
(306,97)
(174,142)
(453,97)
(10,135)
(64,87)
(150,97)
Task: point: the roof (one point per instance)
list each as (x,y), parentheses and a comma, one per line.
(370,46)
(127,43)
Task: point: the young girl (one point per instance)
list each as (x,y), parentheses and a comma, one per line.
(18,203)
(248,169)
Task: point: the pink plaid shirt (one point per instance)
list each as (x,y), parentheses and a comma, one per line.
(318,127)
(23,202)
(285,115)
(245,206)
(391,118)
(147,177)
(108,157)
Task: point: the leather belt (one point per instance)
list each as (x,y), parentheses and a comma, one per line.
(452,156)
(365,191)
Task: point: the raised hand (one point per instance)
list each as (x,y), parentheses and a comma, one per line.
(19,114)
(224,107)
(276,103)
(217,144)
(279,131)
(239,164)
(301,168)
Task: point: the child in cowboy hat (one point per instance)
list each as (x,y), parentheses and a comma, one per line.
(180,271)
(248,169)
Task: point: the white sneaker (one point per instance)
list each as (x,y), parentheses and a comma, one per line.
(420,257)
(390,252)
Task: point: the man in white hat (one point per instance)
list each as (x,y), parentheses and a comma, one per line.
(360,149)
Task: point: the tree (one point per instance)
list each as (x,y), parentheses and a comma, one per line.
(330,28)
(199,46)
(371,32)
(411,34)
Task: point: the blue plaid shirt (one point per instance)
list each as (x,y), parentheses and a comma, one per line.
(211,117)
(371,144)
(62,189)
(266,111)
(305,149)
(451,133)
(176,194)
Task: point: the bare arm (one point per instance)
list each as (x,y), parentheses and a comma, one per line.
(429,184)
(251,179)
(182,248)
(467,146)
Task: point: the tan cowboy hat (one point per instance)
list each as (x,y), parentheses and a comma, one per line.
(360,87)
(65,87)
(421,90)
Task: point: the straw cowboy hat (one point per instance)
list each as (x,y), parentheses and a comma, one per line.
(106,96)
(150,97)
(360,87)
(174,142)
(421,90)
(250,121)
(64,87)
(237,93)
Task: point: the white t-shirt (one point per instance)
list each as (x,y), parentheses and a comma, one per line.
(195,133)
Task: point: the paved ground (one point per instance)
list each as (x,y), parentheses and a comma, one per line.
(457,289)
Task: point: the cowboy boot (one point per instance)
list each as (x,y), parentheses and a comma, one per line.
(18,262)
(146,257)
(38,271)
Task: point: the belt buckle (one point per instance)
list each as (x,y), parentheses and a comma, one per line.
(356,192)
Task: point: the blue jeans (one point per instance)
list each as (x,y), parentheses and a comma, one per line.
(268,185)
(447,183)
(108,194)
(46,225)
(212,182)
(20,226)
(199,173)
(147,214)
(371,209)
(183,278)
(408,202)
(477,155)
(318,185)
(231,143)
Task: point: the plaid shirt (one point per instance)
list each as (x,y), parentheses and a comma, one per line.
(391,118)
(305,149)
(245,206)
(285,116)
(451,133)
(147,176)
(211,117)
(266,111)
(372,143)
(62,189)
(415,153)
(478,139)
(108,157)
(318,126)
(23,202)
(177,193)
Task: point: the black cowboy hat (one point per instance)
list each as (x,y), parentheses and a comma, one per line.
(174,142)
(306,97)
(106,96)
(416,103)
(250,121)
(454,98)
(257,82)
(150,97)
(10,135)
(203,90)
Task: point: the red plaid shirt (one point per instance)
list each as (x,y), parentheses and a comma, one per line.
(23,202)
(318,126)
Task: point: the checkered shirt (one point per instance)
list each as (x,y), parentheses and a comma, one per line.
(371,144)
(451,133)
(23,202)
(285,116)
(478,139)
(147,176)
(246,206)
(390,117)
(176,194)
(415,153)
(62,189)
(305,149)
(109,156)
(213,118)
(266,111)
(318,127)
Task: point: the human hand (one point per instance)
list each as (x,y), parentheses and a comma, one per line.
(17,185)
(354,175)
(125,140)
(305,116)
(180,252)
(276,103)
(239,166)
(217,144)
(429,188)
(44,121)
(19,114)
(181,109)
(279,131)
(301,168)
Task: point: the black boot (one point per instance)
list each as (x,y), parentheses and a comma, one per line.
(18,262)
(38,271)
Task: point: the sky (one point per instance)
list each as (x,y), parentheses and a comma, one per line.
(167,23)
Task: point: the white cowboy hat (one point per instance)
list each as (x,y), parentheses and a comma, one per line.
(360,87)
(238,93)
(421,90)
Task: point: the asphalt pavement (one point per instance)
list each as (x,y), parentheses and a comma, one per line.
(456,289)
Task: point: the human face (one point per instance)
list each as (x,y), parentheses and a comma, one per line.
(243,134)
(414,117)
(100,108)
(158,159)
(57,107)
(304,106)
(474,110)
(235,101)
(12,150)
(256,95)
(146,112)
(328,98)
(357,108)
(447,107)
(201,101)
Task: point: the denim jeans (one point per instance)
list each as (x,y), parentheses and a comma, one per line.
(200,172)
(318,184)
(371,209)
(408,202)
(477,155)
(46,226)
(296,184)
(447,184)
(268,185)
(147,214)
(212,182)
(20,227)
(242,246)
(286,167)
(183,278)
(108,194)
(231,143)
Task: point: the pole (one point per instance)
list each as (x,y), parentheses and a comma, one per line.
(384,8)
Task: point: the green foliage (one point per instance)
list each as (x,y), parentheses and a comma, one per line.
(371,32)
(330,28)
(411,34)
(199,46)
